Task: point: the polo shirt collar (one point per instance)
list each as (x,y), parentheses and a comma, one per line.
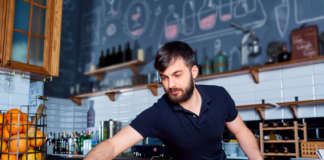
(206,99)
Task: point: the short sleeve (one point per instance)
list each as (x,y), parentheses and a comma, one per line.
(145,123)
(231,111)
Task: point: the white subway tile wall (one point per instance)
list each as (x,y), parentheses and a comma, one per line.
(65,115)
(14,90)
(305,82)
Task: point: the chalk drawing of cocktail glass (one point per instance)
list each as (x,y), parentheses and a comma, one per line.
(136,16)
(172,22)
(225,10)
(112,11)
(207,15)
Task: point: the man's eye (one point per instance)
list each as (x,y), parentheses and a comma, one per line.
(177,75)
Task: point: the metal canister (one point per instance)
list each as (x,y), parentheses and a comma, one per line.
(206,67)
(220,63)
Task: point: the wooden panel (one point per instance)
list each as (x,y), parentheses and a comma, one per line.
(56,39)
(28,67)
(8,30)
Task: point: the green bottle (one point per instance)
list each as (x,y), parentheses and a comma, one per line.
(220,63)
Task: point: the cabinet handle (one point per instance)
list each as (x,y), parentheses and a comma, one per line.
(9,63)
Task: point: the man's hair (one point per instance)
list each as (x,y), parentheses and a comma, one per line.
(172,51)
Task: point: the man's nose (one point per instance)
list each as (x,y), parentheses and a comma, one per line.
(171,83)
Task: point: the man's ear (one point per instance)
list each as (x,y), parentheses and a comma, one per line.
(194,71)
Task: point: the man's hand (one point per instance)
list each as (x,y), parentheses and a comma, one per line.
(245,137)
(112,147)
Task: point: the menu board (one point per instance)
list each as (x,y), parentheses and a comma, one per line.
(304,42)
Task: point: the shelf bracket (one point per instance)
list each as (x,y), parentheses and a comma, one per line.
(111,95)
(293,109)
(260,111)
(153,88)
(133,68)
(77,100)
(255,74)
(99,77)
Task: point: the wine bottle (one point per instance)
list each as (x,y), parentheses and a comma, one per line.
(101,62)
(128,52)
(119,56)
(284,55)
(107,58)
(113,56)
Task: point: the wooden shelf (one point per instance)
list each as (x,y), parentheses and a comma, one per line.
(254,71)
(98,73)
(279,141)
(279,154)
(304,102)
(259,108)
(255,106)
(294,104)
(112,93)
(277,128)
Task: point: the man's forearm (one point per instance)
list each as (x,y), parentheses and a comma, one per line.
(103,151)
(249,144)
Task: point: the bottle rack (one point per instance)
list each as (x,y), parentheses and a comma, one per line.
(296,140)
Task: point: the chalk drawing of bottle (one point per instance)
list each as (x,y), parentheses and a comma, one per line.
(172,24)
(282,17)
(189,18)
(225,8)
(241,9)
(207,15)
(234,59)
(136,16)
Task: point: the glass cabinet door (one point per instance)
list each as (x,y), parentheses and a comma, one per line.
(28,32)
(30,35)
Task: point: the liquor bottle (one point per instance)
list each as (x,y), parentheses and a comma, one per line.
(58,144)
(284,55)
(54,144)
(128,52)
(107,59)
(66,143)
(91,115)
(62,144)
(119,54)
(101,60)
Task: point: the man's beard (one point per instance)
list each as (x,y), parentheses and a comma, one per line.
(187,93)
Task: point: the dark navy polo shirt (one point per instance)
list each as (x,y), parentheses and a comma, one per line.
(186,135)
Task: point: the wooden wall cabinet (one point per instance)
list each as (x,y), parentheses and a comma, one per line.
(30,34)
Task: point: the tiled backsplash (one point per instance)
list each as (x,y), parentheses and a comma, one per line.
(306,82)
(14,90)
(64,115)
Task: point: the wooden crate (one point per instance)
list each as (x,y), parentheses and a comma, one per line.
(308,149)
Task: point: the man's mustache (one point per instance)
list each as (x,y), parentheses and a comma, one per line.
(174,89)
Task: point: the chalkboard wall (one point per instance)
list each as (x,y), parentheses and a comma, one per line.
(204,24)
